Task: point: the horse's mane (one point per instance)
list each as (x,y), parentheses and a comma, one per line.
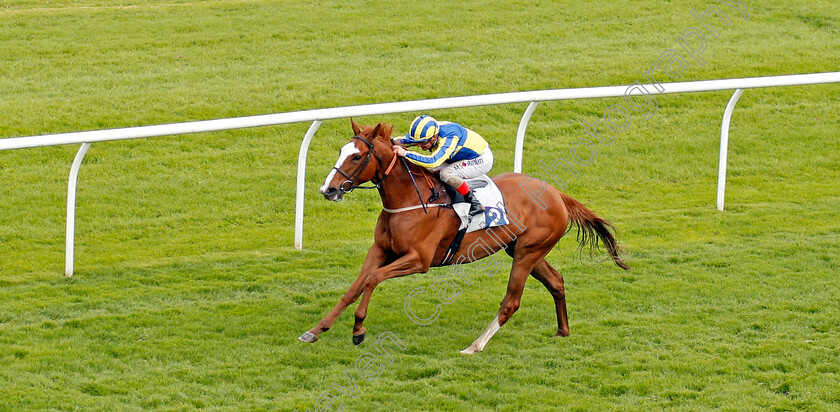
(385,131)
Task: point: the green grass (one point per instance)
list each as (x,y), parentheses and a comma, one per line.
(188,293)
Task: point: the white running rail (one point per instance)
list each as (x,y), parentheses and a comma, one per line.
(317,116)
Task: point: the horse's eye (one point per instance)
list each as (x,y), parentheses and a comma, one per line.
(357,157)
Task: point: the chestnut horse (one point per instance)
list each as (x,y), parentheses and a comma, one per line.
(411,239)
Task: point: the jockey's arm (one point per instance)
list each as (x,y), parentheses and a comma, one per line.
(436,158)
(400,141)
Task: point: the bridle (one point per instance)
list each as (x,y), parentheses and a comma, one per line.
(351,180)
(350,184)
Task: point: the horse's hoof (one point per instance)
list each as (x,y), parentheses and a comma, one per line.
(561,334)
(308,337)
(470,351)
(358,339)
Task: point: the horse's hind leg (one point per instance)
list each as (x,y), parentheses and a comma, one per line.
(523,264)
(553,281)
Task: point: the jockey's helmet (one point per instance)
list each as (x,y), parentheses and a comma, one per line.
(422,129)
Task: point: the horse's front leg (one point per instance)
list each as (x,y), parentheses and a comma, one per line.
(374,260)
(408,264)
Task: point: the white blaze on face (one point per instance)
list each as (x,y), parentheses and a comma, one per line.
(348,150)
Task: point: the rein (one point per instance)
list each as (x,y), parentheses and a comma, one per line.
(410,174)
(435,195)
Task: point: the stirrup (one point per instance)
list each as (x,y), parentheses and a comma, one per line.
(476,208)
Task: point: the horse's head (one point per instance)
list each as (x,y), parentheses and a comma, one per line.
(359,161)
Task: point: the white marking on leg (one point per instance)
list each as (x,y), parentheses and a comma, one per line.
(482,340)
(346,151)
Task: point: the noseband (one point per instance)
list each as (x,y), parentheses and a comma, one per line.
(350,184)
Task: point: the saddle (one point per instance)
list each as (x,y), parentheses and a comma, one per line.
(489,195)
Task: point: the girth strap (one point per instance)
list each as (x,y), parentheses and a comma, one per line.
(454,246)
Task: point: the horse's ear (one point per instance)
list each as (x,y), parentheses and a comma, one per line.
(375,131)
(356,130)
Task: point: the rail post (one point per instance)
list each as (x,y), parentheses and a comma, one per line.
(301,183)
(69,245)
(724,146)
(520,137)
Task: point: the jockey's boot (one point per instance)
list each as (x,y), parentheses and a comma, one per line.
(475,206)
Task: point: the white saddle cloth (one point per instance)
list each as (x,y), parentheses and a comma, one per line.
(491,198)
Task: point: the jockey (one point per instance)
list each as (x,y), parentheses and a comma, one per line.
(457,153)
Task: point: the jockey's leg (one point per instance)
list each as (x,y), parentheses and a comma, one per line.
(455,174)
(449,176)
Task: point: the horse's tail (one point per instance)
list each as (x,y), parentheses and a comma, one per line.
(591,227)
